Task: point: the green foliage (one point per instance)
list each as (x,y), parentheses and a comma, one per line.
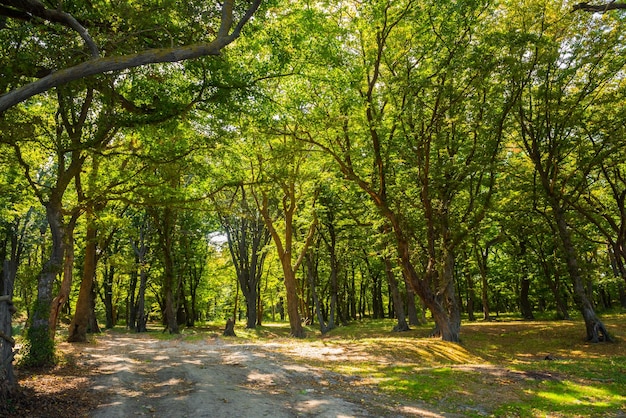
(38,348)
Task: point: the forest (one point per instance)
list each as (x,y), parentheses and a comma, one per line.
(317,162)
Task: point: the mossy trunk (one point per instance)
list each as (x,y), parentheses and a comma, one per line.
(39,349)
(8,382)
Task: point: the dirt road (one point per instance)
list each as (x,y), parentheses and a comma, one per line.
(138,375)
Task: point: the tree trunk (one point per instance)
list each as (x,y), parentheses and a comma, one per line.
(165,226)
(596,331)
(284,249)
(8,382)
(411,306)
(140,249)
(525,308)
(447,326)
(471,296)
(68,268)
(141,321)
(40,347)
(131,310)
(80,322)
(92,326)
(398,305)
(312,276)
(107,286)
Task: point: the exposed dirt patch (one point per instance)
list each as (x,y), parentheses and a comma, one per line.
(138,375)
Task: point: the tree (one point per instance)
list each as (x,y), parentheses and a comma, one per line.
(247,238)
(417,124)
(564,71)
(293,191)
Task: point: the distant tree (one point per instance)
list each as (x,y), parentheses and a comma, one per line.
(247,236)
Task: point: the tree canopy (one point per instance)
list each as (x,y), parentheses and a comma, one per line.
(313,162)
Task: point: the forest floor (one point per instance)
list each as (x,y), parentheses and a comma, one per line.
(124,375)
(362,370)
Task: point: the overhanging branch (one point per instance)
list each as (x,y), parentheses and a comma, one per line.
(598,8)
(116,63)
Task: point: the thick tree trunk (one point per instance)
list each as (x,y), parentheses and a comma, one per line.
(80,322)
(295,322)
(525,307)
(8,382)
(447,326)
(93,327)
(596,331)
(251,299)
(40,347)
(13,248)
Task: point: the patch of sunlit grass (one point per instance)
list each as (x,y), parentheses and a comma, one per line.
(566,398)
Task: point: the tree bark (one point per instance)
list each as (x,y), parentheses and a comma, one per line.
(40,348)
(596,331)
(68,268)
(398,304)
(525,307)
(165,227)
(285,249)
(599,8)
(8,382)
(80,322)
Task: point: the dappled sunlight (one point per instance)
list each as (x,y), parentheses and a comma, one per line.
(570,396)
(499,369)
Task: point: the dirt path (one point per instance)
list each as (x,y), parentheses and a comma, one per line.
(138,375)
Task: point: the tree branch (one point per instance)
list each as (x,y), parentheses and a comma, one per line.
(24,9)
(116,63)
(598,8)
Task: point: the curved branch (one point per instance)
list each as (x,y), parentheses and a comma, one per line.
(25,9)
(598,8)
(116,63)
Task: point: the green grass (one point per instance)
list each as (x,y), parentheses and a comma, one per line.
(498,370)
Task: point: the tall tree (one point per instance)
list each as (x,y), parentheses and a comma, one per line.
(420,109)
(247,238)
(568,65)
(288,186)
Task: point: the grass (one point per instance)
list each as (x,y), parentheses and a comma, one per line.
(499,369)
